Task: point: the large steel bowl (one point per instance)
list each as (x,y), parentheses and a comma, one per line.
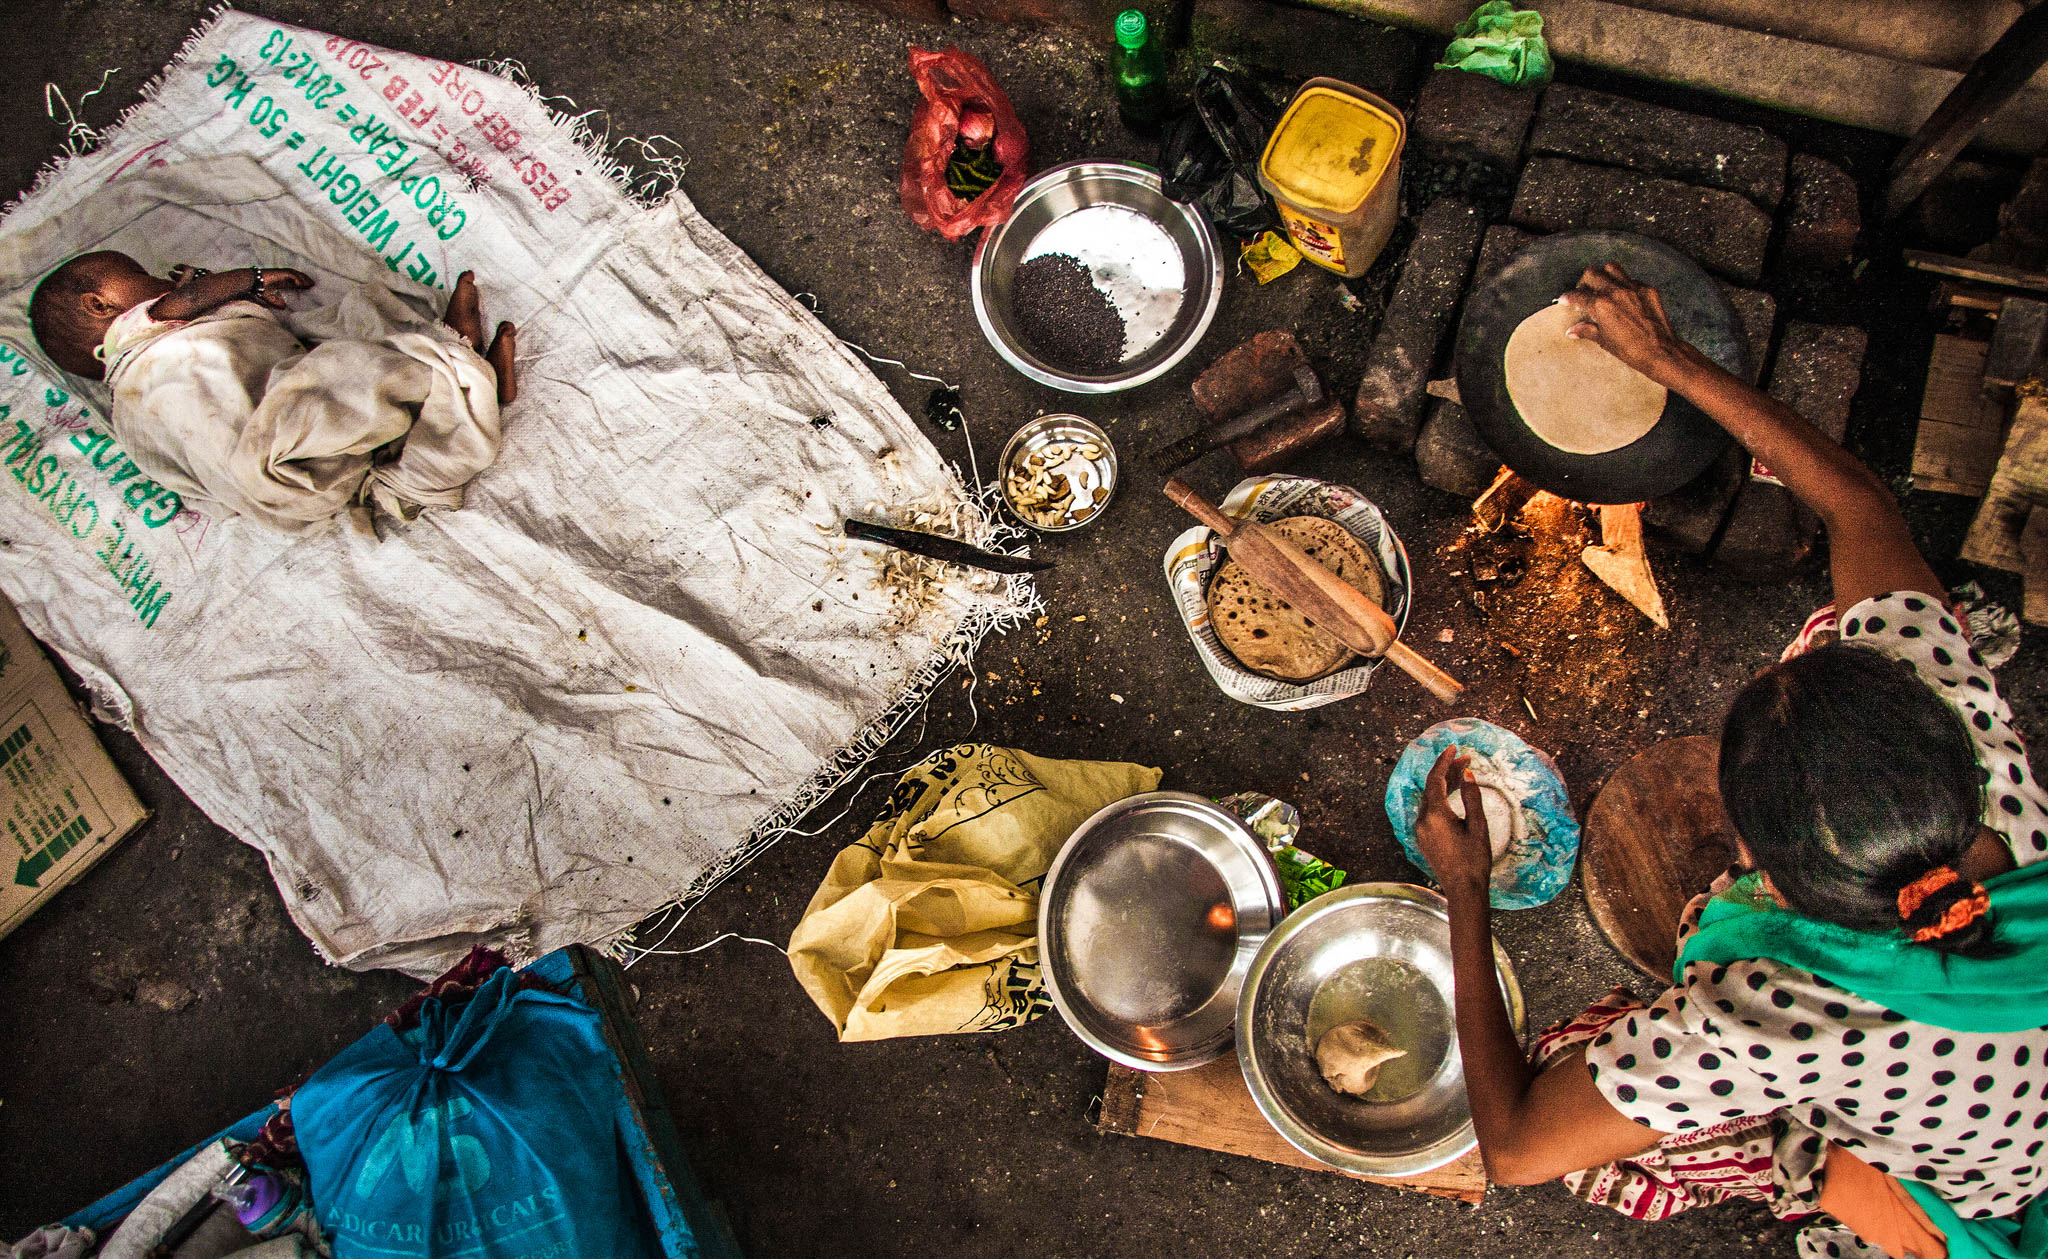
(1148,921)
(1157,259)
(1377,951)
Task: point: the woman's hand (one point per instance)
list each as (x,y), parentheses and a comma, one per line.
(1457,849)
(1627,320)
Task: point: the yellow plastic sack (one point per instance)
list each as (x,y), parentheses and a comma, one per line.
(929,923)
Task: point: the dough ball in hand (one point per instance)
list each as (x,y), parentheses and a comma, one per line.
(1350,1056)
(1503,816)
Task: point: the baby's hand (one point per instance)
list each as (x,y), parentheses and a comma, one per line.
(274,282)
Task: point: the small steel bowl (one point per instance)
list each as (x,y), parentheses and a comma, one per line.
(1377,951)
(1147,922)
(1048,431)
(1157,259)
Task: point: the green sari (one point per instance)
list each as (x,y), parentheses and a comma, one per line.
(2007,992)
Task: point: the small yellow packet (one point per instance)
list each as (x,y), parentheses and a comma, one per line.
(1270,256)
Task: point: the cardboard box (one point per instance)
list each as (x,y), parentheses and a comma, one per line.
(63,805)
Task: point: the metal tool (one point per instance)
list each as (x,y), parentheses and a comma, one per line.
(938,547)
(1304,395)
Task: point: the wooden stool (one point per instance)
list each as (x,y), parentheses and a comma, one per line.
(1655,837)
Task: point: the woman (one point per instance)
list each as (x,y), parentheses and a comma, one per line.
(1857,1026)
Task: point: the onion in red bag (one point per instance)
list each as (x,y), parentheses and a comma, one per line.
(964,123)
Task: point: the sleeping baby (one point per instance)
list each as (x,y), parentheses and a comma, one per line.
(217,399)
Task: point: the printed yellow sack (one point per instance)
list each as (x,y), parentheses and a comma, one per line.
(929,922)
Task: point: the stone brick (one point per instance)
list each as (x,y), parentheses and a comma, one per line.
(1450,454)
(1692,148)
(1691,516)
(1759,314)
(1461,117)
(1817,373)
(1295,44)
(1769,534)
(1501,242)
(1420,314)
(1822,216)
(1724,231)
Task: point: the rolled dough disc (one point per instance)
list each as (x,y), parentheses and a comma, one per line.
(1573,394)
(1350,1056)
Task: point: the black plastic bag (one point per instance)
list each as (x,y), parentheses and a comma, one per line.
(1209,155)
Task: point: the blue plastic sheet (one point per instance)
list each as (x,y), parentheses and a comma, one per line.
(488,1132)
(1539,865)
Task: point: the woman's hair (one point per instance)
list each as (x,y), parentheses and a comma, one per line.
(1849,779)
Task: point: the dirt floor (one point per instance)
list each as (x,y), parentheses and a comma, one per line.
(168,993)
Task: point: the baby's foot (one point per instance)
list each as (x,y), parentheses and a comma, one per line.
(465,311)
(504,347)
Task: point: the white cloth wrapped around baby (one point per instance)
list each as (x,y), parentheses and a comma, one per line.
(233,412)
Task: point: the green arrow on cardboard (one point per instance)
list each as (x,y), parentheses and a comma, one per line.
(29,871)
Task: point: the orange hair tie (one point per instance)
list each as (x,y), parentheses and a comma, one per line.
(1957,916)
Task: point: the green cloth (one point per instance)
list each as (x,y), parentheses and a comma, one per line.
(1501,42)
(2005,992)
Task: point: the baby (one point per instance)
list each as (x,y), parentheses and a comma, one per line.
(218,400)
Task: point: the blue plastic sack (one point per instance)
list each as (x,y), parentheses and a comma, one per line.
(1536,867)
(487,1132)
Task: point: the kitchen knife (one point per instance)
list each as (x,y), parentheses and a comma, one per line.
(938,547)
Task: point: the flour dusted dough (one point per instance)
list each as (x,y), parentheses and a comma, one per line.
(1503,815)
(1350,1056)
(1573,394)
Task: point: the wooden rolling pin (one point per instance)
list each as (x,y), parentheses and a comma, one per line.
(1315,591)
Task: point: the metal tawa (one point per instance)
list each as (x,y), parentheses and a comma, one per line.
(1683,442)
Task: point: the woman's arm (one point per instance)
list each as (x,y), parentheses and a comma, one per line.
(203,294)
(1532,1126)
(1870,549)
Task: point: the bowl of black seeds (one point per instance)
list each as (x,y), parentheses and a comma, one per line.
(1097,282)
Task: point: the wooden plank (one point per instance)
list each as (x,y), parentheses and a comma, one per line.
(1999,74)
(1980,272)
(1210,1108)
(1961,430)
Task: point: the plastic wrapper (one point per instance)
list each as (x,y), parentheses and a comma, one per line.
(961,105)
(1538,864)
(1209,157)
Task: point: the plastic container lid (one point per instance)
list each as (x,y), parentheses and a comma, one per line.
(1330,149)
(1130,29)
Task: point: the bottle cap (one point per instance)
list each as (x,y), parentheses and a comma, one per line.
(1130,29)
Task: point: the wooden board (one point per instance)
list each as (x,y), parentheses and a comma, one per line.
(1210,1108)
(1961,430)
(1655,837)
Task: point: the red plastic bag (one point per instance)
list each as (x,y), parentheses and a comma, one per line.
(961,103)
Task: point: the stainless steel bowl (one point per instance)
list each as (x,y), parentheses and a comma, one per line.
(1148,920)
(1378,951)
(1157,259)
(1048,433)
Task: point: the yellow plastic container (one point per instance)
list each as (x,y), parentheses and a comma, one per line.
(1333,166)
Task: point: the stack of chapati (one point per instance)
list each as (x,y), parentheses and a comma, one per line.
(1264,631)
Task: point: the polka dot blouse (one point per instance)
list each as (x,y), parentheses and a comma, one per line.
(1965,1112)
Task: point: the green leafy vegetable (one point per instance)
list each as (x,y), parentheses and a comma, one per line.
(1304,877)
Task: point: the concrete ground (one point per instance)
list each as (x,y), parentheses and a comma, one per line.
(167,993)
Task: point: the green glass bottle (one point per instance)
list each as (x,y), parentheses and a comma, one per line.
(1140,75)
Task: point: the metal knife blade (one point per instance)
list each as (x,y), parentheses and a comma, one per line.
(950,550)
